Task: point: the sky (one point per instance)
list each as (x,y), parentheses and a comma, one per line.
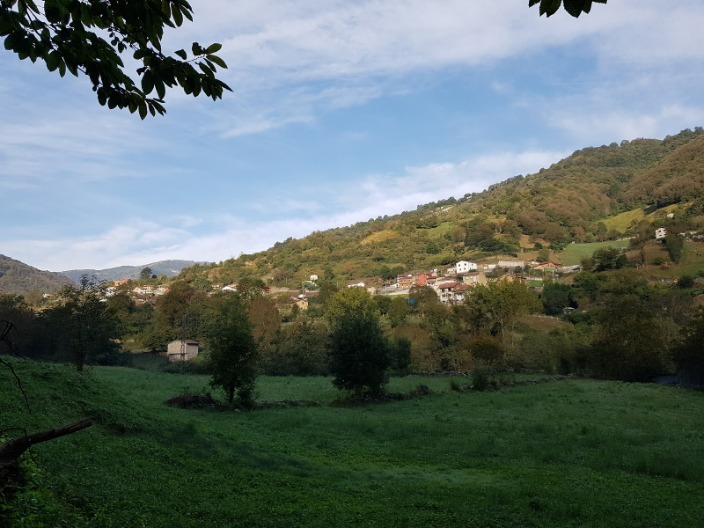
(341,112)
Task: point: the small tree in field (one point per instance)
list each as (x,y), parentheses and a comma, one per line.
(233,350)
(359,353)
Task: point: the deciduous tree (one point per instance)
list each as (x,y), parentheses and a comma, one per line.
(85,327)
(233,350)
(93,37)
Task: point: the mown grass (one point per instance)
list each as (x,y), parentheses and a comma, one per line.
(574,253)
(565,453)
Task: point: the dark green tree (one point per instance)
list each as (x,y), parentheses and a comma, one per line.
(400,355)
(173,316)
(685,282)
(675,245)
(26,332)
(250,288)
(630,344)
(92,37)
(608,258)
(688,353)
(146,274)
(301,350)
(422,298)
(233,350)
(359,350)
(399,310)
(85,328)
(556,297)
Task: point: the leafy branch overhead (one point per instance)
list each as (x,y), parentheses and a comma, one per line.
(573,7)
(93,37)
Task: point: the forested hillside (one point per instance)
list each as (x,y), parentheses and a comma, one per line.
(20,279)
(572,200)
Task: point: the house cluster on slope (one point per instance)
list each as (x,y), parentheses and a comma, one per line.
(454,283)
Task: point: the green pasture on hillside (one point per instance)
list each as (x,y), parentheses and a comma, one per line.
(560,453)
(574,253)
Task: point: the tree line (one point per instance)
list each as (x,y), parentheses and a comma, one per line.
(609,323)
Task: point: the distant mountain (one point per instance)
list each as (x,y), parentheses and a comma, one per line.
(18,278)
(168,268)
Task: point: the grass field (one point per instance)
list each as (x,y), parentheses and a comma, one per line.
(624,221)
(563,453)
(574,253)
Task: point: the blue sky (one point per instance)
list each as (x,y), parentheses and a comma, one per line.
(341,112)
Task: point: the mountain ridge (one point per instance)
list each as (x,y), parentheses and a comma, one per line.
(168,268)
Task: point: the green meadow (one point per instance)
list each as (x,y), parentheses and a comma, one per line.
(561,453)
(574,253)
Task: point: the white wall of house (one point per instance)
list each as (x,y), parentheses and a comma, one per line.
(465,267)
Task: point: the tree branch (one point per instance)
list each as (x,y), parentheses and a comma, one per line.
(11,451)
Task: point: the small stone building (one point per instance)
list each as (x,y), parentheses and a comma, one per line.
(182,350)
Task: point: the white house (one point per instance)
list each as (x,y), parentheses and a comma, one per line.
(314,277)
(465,267)
(660,233)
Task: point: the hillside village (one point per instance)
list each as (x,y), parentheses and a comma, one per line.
(451,284)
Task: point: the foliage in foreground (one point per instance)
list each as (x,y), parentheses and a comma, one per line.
(91,37)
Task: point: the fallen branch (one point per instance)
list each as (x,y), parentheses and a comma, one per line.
(11,451)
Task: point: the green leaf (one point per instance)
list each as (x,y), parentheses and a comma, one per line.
(576,7)
(142,109)
(549,7)
(177,17)
(160,88)
(204,68)
(213,48)
(147,82)
(217,60)
(181,53)
(10,41)
(52,60)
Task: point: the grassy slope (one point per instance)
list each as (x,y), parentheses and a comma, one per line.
(570,453)
(574,253)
